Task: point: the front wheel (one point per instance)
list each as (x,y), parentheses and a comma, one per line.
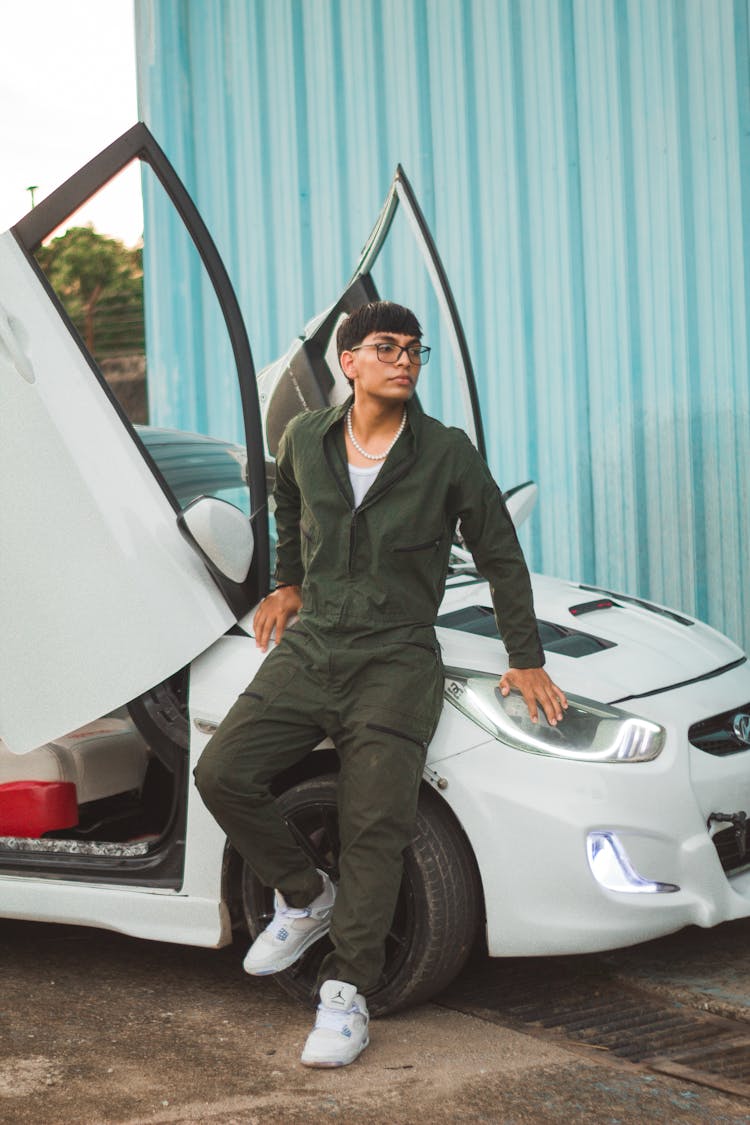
(438,909)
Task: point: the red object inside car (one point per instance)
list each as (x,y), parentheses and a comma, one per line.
(31,808)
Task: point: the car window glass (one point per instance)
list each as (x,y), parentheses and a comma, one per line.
(94,263)
(194,465)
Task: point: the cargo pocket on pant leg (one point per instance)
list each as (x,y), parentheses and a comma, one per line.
(398,734)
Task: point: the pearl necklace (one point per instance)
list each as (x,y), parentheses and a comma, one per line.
(358,447)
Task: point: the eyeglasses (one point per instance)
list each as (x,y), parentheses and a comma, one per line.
(391,353)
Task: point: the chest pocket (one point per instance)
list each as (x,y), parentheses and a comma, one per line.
(426,545)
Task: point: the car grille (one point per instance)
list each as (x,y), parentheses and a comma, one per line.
(728,848)
(719,734)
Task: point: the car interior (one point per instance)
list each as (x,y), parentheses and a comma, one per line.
(102,785)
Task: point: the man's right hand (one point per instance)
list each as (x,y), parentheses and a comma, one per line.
(274,613)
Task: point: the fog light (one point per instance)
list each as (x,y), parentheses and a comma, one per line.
(611,867)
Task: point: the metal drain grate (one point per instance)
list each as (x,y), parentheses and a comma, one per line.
(595,1010)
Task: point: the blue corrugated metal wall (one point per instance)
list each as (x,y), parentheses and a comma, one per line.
(585,168)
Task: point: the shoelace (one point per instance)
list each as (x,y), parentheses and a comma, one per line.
(333,1020)
(282,916)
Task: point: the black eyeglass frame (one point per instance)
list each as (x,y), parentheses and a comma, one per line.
(423,352)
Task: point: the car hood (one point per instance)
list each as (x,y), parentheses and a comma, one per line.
(626,648)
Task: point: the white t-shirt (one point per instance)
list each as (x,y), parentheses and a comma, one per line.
(361,480)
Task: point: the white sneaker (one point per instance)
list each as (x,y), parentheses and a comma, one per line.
(340,1033)
(290,932)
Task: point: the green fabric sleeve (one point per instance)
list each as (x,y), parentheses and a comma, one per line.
(289,570)
(488,532)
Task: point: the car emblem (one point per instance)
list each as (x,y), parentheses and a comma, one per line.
(741,727)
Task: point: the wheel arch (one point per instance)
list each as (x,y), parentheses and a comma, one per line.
(433,798)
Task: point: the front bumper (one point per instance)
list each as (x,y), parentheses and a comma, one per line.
(528,818)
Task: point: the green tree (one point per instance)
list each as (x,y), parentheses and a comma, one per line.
(91,275)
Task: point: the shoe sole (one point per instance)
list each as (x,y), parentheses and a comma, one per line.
(329,1064)
(291,959)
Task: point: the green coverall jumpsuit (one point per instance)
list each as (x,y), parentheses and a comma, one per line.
(362,664)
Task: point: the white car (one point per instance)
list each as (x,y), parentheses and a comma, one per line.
(127,631)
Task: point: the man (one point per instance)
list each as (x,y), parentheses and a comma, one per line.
(367,499)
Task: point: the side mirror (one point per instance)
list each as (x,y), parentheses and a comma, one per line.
(221,534)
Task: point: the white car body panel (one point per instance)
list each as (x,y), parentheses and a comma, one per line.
(148,913)
(100,554)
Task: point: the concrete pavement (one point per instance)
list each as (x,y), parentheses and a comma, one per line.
(99,1029)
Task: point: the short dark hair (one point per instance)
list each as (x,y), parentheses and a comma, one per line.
(377,316)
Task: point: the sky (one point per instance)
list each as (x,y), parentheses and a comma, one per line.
(67,88)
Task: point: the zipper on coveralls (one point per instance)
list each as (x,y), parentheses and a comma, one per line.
(352,540)
(367,502)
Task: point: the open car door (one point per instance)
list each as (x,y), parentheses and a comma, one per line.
(106,587)
(308,377)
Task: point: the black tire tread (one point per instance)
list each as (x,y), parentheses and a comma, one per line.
(451,884)
(441,869)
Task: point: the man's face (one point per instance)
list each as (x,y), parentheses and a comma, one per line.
(376,377)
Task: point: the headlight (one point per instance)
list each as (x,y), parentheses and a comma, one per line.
(589,732)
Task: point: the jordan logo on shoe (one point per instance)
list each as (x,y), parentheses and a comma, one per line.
(338,998)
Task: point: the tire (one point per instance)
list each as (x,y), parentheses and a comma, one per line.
(438,910)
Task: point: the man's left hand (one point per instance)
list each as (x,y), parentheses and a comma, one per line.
(536,687)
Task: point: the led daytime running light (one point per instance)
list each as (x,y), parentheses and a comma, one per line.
(612,868)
